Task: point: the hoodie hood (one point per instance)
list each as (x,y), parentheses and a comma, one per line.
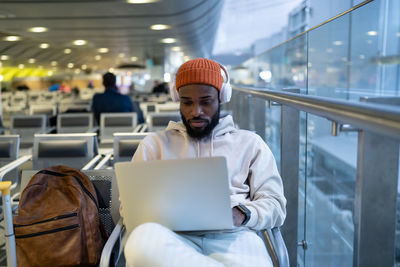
(225,125)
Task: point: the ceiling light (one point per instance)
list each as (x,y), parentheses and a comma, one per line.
(329,50)
(134,58)
(38,29)
(372,33)
(44,45)
(176,48)
(21,66)
(186,58)
(84,67)
(70,65)
(362,56)
(4,57)
(1,78)
(53,63)
(168,40)
(77,71)
(97,57)
(67,51)
(79,42)
(49,73)
(31,60)
(159,27)
(141,1)
(12,38)
(102,50)
(111,70)
(337,43)
(121,55)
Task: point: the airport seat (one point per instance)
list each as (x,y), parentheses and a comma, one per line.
(74,150)
(46,109)
(125,145)
(9,148)
(167,107)
(159,121)
(111,123)
(75,123)
(28,125)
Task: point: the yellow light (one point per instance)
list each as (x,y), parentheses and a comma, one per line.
(121,55)
(44,45)
(159,27)
(53,63)
(77,71)
(4,57)
(134,58)
(38,29)
(31,60)
(111,70)
(21,66)
(12,38)
(168,40)
(67,51)
(84,67)
(103,50)
(50,73)
(97,57)
(79,42)
(70,65)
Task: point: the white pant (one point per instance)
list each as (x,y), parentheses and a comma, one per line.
(151,244)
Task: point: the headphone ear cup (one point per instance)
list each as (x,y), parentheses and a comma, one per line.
(225,93)
(173,92)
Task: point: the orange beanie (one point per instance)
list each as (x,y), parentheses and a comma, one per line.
(199,71)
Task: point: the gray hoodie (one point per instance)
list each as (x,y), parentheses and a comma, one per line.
(254,177)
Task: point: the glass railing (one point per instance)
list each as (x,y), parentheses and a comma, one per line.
(351,58)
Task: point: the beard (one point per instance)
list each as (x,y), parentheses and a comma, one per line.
(199,134)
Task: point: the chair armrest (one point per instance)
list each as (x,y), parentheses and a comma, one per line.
(12,165)
(276,246)
(93,130)
(106,159)
(91,163)
(110,244)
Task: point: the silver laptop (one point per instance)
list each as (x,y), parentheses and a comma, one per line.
(183,194)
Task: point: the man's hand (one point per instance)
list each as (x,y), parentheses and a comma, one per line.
(238,217)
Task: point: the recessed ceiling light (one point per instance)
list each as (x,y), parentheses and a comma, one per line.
(102,50)
(134,58)
(84,67)
(44,45)
(121,55)
(49,73)
(21,66)
(53,63)
(168,40)
(31,60)
(12,38)
(329,50)
(337,43)
(77,71)
(4,57)
(97,57)
(141,1)
(111,70)
(159,27)
(38,29)
(372,33)
(70,65)
(67,51)
(176,48)
(79,42)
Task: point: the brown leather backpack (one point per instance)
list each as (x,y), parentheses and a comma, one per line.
(58,221)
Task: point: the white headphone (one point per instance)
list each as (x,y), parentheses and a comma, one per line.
(224,94)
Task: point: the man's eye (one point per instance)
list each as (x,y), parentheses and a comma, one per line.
(207,102)
(187,103)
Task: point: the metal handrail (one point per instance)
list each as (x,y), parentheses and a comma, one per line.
(378,118)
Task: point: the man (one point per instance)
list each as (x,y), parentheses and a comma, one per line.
(112,101)
(257,199)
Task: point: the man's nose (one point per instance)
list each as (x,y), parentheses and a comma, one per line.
(197,110)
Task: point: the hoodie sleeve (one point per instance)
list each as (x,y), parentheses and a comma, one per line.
(144,152)
(267,202)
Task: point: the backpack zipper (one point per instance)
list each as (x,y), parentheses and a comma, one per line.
(48,232)
(76,178)
(49,220)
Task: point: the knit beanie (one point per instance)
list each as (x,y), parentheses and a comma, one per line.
(199,71)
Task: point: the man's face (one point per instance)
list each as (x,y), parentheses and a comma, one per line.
(199,106)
